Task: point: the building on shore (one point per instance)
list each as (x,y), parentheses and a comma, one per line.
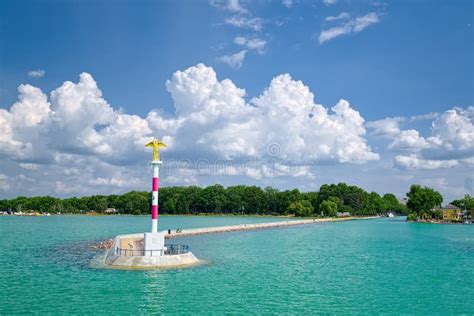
(111,211)
(451,213)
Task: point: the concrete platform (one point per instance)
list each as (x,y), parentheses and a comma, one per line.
(133,259)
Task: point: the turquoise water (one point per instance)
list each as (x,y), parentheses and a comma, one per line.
(382,266)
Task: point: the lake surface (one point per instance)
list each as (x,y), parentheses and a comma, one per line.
(359,267)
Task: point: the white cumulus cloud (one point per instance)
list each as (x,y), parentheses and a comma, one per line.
(455,130)
(233,128)
(75,142)
(77,120)
(450,141)
(409,140)
(20,127)
(387,127)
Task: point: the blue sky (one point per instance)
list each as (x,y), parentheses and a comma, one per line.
(387,59)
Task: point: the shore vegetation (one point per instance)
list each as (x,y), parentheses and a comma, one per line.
(330,200)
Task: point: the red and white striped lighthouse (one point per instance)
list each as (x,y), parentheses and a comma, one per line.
(155,164)
(154,200)
(154,242)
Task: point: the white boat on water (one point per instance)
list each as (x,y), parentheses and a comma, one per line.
(390,214)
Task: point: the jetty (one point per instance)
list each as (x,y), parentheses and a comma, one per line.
(129,252)
(242,227)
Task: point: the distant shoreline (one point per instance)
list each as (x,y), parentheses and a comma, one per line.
(204,215)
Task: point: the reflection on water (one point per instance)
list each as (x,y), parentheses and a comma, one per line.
(154,291)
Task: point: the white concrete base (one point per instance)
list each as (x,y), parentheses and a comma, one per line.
(167,261)
(153,242)
(117,261)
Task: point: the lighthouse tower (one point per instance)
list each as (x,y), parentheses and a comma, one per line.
(154,242)
(148,250)
(155,164)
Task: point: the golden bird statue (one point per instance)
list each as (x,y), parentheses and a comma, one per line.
(156,143)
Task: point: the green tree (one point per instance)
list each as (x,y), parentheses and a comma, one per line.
(375,204)
(348,198)
(20,204)
(256,200)
(169,205)
(356,199)
(235,199)
(301,208)
(182,203)
(135,201)
(285,198)
(272,200)
(466,203)
(97,203)
(4,205)
(423,199)
(391,202)
(312,197)
(328,208)
(214,198)
(112,201)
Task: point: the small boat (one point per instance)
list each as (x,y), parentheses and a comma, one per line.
(390,214)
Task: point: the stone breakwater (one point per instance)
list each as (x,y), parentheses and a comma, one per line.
(233,228)
(224,229)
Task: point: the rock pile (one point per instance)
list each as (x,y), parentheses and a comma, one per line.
(106,244)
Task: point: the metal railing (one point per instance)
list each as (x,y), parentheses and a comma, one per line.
(170,250)
(176,249)
(137,252)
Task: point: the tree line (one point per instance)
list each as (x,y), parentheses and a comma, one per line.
(216,199)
